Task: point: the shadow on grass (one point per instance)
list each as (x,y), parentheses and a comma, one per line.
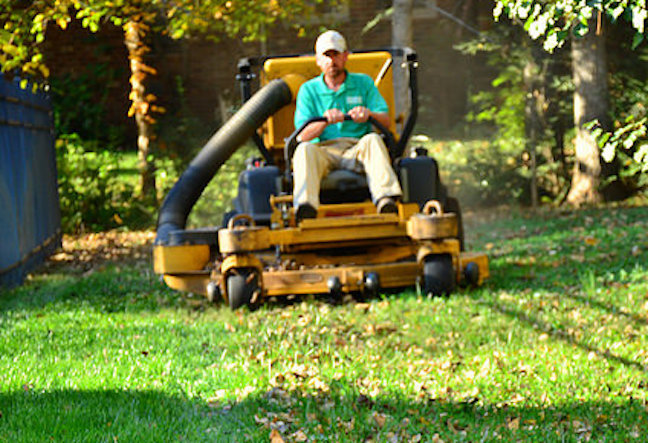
(573,281)
(338,415)
(567,283)
(610,308)
(561,334)
(95,416)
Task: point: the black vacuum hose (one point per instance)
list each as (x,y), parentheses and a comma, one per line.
(184,194)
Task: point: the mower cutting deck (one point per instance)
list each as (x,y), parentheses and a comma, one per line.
(348,248)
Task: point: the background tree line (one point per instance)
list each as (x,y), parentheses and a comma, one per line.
(564,120)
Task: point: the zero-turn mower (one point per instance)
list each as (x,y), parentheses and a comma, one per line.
(260,251)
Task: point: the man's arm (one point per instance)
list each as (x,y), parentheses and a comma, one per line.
(315,129)
(304,111)
(360,114)
(312,131)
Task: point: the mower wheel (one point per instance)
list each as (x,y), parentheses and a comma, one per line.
(438,275)
(242,283)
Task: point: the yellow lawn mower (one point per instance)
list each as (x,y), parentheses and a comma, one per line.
(261,251)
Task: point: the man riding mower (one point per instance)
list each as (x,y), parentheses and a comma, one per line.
(353,223)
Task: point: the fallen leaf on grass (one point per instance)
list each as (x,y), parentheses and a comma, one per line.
(363,307)
(455,427)
(580,427)
(543,337)
(275,437)
(261,420)
(380,419)
(392,438)
(299,436)
(379,329)
(318,384)
(304,320)
(513,423)
(347,426)
(80,251)
(591,241)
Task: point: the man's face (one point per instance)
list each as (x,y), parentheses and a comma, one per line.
(332,62)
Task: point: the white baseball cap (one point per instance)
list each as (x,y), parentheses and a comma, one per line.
(330,40)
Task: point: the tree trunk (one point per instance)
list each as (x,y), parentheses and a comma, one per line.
(401,37)
(533,125)
(590,103)
(134,35)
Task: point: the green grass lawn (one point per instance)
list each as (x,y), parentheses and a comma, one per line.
(553,348)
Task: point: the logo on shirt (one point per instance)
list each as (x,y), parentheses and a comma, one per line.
(354,100)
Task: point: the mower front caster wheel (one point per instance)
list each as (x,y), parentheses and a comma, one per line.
(242,284)
(438,275)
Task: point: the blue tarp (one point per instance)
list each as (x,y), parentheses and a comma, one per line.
(30,218)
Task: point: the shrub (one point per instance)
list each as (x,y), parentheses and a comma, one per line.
(80,104)
(97,187)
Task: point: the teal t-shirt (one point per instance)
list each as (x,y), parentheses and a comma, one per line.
(314,98)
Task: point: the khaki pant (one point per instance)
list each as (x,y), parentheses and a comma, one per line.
(313,161)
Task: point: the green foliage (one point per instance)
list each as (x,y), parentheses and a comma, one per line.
(627,142)
(552,348)
(481,173)
(80,103)
(97,187)
(500,170)
(629,145)
(25,24)
(554,21)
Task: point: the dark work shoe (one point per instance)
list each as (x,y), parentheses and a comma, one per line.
(305,211)
(386,205)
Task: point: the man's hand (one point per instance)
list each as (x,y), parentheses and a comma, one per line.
(334,116)
(360,114)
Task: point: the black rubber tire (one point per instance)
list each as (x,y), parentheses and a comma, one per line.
(438,275)
(241,285)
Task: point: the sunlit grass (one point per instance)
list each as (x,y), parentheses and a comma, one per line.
(553,347)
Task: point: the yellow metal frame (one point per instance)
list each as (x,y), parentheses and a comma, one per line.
(300,259)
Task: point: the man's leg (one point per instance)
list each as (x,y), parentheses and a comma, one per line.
(310,164)
(372,153)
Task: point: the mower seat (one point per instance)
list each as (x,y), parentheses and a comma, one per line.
(344,186)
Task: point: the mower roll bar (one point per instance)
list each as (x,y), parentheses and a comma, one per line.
(246,76)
